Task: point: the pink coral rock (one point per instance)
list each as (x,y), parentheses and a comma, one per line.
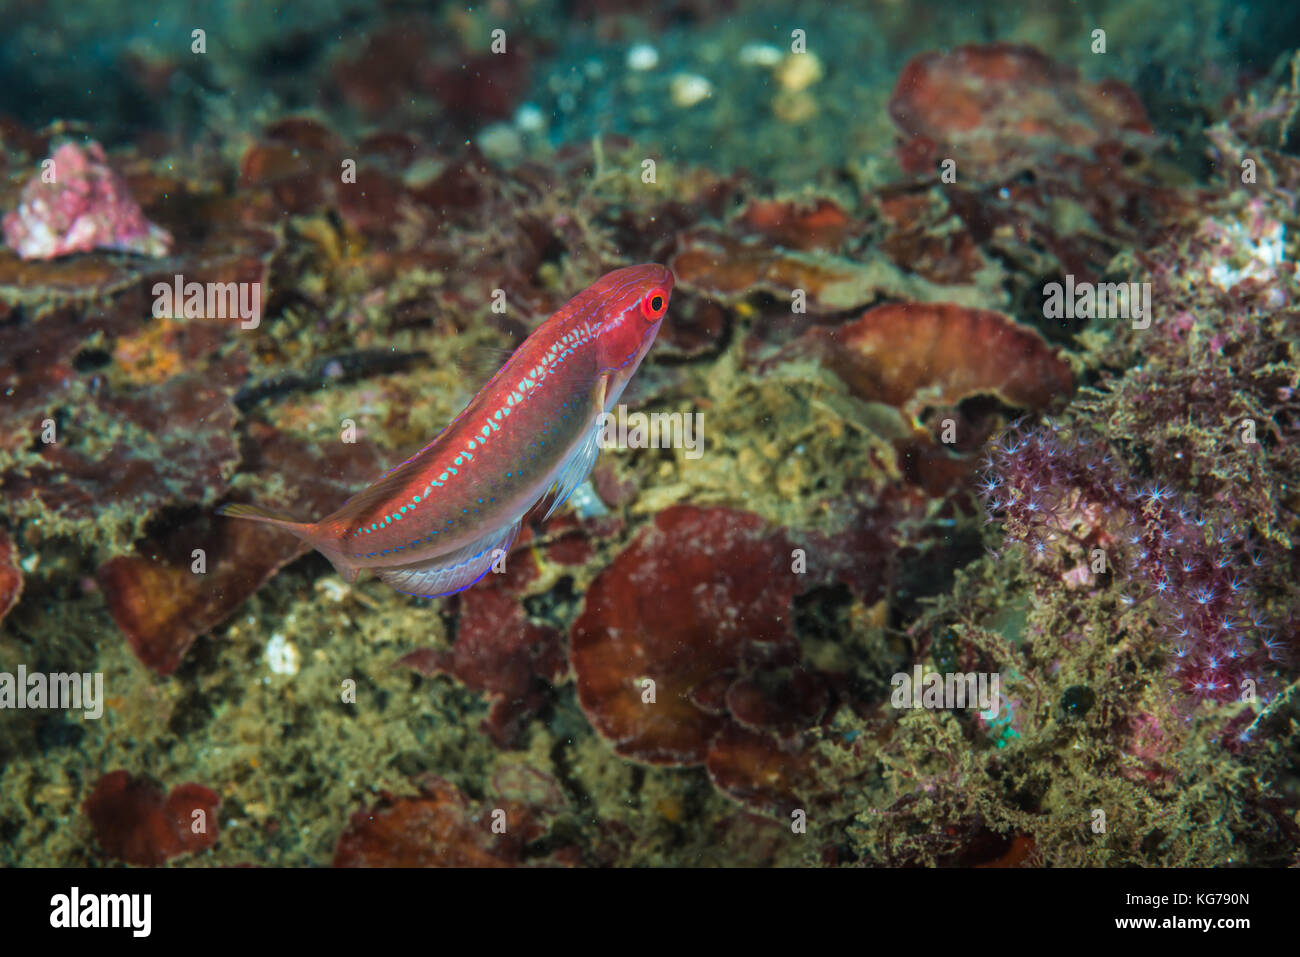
(78,204)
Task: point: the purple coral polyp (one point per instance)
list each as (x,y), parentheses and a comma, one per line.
(78,204)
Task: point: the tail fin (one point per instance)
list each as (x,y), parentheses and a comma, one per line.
(257,514)
(304,530)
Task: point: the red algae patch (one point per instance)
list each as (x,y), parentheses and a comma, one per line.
(756,771)
(687,635)
(1000,108)
(135,822)
(921,237)
(436,828)
(913,354)
(815,224)
(684,653)
(162,605)
(728,270)
(85,277)
(11,575)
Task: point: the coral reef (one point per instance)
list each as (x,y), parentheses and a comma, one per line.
(905,460)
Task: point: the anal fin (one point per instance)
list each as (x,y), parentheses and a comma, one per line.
(454,571)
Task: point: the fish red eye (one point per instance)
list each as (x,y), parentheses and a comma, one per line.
(654,304)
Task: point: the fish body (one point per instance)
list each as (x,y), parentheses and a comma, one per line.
(436,523)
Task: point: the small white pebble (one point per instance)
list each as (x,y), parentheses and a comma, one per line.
(332,588)
(760,54)
(530,119)
(500,142)
(642,57)
(688,89)
(798,71)
(281,655)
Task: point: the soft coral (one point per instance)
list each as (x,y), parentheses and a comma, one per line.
(1074,505)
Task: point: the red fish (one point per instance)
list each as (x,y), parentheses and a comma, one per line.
(436,523)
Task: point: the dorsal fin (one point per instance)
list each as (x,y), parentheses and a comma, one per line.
(383,490)
(478,364)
